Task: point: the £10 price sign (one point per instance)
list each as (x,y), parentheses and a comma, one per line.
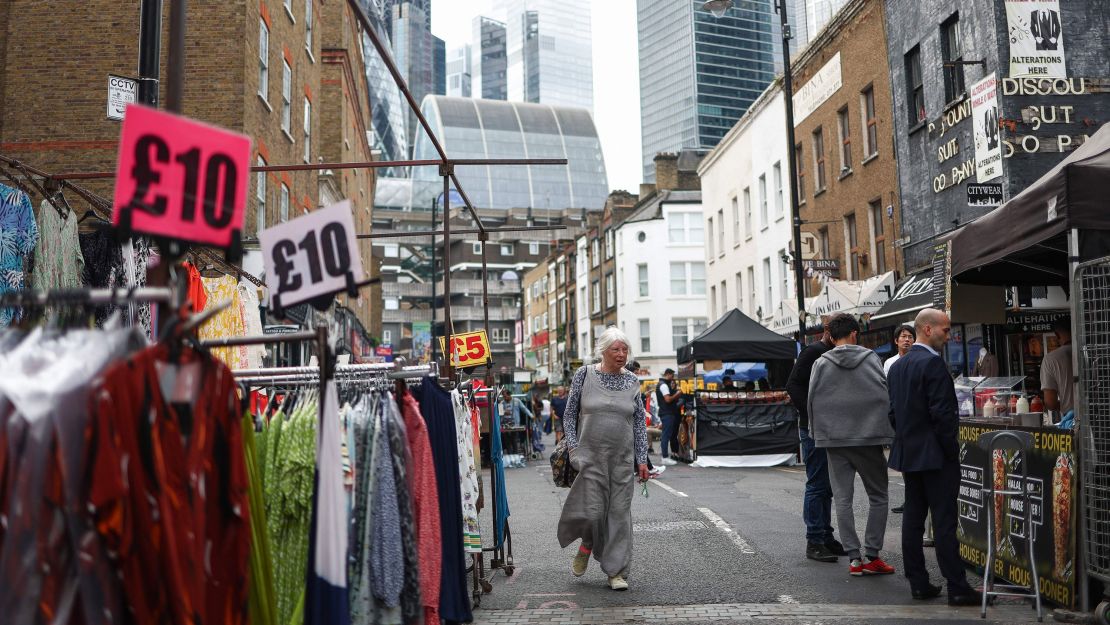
(180,179)
(468,350)
(312,256)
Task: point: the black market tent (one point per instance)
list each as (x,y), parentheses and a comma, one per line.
(1025,241)
(911,295)
(737,337)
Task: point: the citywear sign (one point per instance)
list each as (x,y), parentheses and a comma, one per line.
(1036,38)
(813,94)
(984,112)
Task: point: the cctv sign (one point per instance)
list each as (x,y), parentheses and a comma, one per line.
(121,92)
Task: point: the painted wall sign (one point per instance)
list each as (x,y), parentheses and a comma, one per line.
(813,94)
(988,194)
(1036,38)
(984,112)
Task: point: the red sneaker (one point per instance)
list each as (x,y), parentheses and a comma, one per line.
(877,567)
(855,568)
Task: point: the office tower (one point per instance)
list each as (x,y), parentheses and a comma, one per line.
(439,66)
(700,73)
(387,108)
(458,72)
(549,51)
(413,51)
(487,57)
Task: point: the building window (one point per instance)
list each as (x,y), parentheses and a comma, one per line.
(551,279)
(507,249)
(288,4)
(768,289)
(387,337)
(476,249)
(308,25)
(286,96)
(779,200)
(952,55)
(914,86)
(819,160)
(263,59)
(260,194)
(735,222)
(680,332)
(845,141)
(595,296)
(878,236)
(724,297)
(713,300)
(501,335)
(747,212)
(784,275)
(308,127)
(688,278)
(851,243)
(284,207)
(685,228)
(823,241)
(709,247)
(751,291)
(610,247)
(582,304)
(534,248)
(595,255)
(642,278)
(739,290)
(610,292)
(645,336)
(799,162)
(871,136)
(721,232)
(764,221)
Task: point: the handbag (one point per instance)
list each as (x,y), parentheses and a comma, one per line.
(562,474)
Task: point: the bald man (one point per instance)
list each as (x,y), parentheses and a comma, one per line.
(924,414)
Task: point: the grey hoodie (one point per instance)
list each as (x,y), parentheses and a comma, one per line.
(848,401)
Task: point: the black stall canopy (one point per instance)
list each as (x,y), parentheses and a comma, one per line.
(1025,241)
(737,337)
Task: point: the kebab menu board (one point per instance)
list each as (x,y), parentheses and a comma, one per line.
(1051,484)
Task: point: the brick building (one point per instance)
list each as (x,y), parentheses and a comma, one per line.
(551,343)
(596,270)
(253,66)
(847,180)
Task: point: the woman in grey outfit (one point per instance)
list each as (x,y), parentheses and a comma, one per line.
(604,425)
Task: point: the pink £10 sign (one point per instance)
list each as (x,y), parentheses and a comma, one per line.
(180,179)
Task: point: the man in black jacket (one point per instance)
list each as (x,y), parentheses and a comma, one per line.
(817,505)
(926,450)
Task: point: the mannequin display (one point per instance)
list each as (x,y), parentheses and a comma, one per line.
(987,364)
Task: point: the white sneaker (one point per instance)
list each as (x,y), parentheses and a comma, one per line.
(618,582)
(656,471)
(668,462)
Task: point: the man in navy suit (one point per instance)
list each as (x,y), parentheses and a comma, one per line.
(924,414)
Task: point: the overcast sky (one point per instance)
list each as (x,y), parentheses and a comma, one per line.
(616,76)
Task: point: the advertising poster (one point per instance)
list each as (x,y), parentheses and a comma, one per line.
(984,112)
(1051,485)
(422,341)
(1036,39)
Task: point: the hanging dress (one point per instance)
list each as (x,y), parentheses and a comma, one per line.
(468,475)
(18,235)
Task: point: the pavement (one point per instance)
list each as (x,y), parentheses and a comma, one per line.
(712,545)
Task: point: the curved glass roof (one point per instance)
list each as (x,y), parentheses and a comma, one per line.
(474,128)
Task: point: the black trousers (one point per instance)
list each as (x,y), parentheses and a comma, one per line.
(934,491)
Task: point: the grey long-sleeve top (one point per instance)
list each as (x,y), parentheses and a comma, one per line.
(615,382)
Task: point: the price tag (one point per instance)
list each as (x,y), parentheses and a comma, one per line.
(180,179)
(311,256)
(468,350)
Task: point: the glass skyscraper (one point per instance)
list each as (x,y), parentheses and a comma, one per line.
(487,66)
(549,51)
(699,73)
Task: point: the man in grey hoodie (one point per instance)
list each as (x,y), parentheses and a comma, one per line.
(849,417)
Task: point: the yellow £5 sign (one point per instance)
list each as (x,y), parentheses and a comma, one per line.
(468,350)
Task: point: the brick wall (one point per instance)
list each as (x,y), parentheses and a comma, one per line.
(871,178)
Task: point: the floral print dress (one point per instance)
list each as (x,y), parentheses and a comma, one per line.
(468,475)
(18,234)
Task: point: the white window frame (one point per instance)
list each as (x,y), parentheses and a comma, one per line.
(735,221)
(595,296)
(286,98)
(610,291)
(748,213)
(260,194)
(764,217)
(387,337)
(768,287)
(645,336)
(690,281)
(288,4)
(533,248)
(263,60)
(752,294)
(709,244)
(776,171)
(307,127)
(284,204)
(308,26)
(643,280)
(721,232)
(595,252)
(476,248)
(610,244)
(507,249)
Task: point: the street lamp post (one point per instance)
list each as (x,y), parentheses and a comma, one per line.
(718,8)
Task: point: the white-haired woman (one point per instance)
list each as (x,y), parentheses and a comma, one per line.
(604,425)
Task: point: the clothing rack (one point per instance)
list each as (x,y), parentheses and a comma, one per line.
(31,297)
(354,372)
(320,336)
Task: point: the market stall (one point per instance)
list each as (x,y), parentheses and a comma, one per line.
(742,423)
(1037,239)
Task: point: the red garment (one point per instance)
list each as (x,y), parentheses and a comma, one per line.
(169,493)
(425,507)
(198,297)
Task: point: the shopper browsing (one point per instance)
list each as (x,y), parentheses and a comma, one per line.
(852,428)
(669,396)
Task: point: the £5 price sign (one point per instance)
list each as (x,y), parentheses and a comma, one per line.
(311,256)
(468,350)
(180,179)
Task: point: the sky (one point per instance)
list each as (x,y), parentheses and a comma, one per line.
(616,76)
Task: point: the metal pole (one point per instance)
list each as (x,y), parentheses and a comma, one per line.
(485,308)
(150,49)
(795,211)
(175,67)
(435,204)
(445,171)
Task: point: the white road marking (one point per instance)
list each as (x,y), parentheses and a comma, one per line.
(670,490)
(724,527)
(787,599)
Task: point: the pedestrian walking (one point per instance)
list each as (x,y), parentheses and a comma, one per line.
(668,396)
(821,545)
(925,449)
(558,407)
(604,428)
(852,427)
(545,414)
